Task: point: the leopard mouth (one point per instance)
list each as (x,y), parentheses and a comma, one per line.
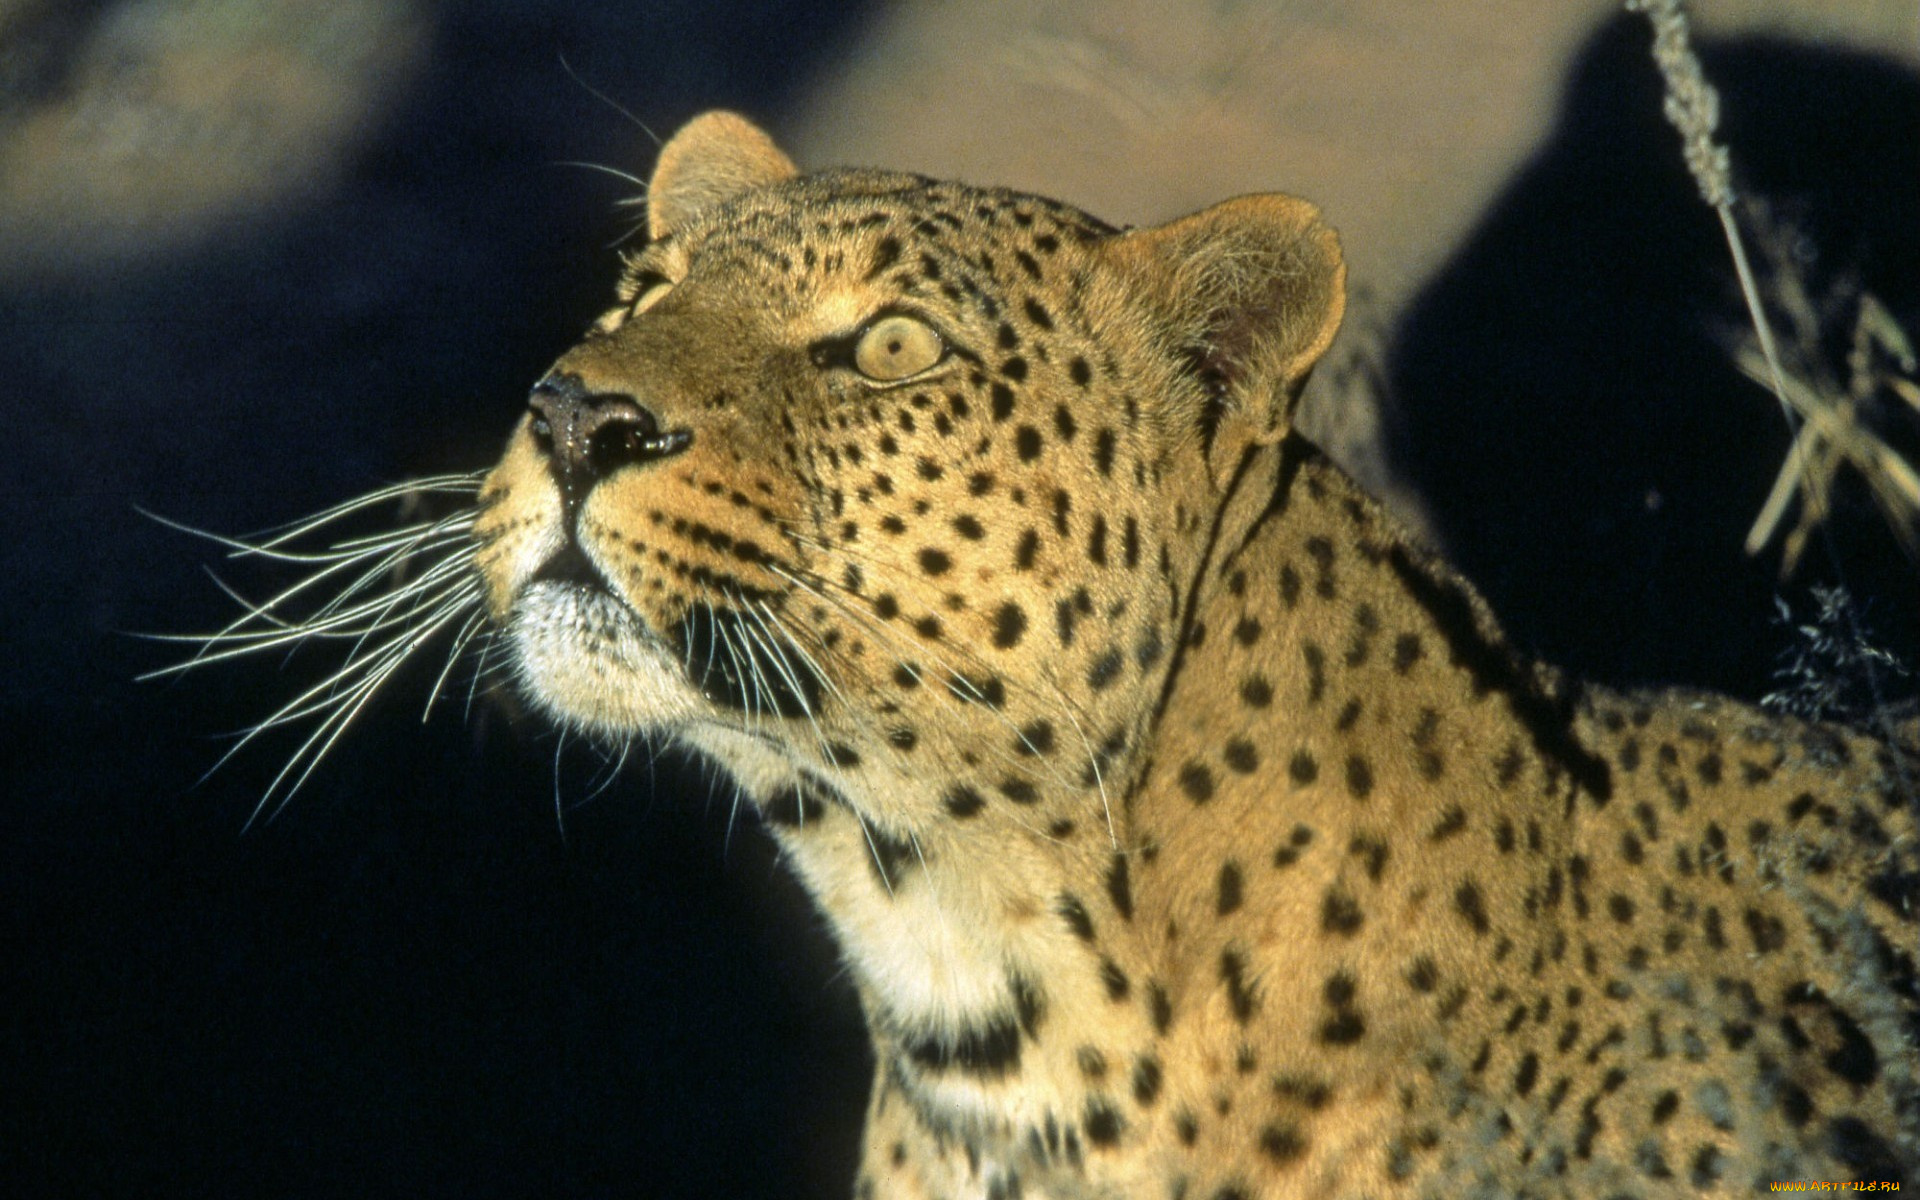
(570,567)
(587,651)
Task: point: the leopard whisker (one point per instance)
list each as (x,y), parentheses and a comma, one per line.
(793,639)
(350,549)
(882,633)
(607,774)
(465,586)
(488,636)
(956,676)
(272,547)
(350,703)
(769,644)
(285,634)
(326,692)
(319,622)
(752,648)
(873,848)
(332,616)
(779,637)
(474,624)
(461,483)
(559,808)
(753,698)
(311,625)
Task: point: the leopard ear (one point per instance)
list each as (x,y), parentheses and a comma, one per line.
(1254,288)
(713,158)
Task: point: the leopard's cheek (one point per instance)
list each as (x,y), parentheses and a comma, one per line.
(517,526)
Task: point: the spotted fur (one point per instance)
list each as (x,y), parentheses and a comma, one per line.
(1188,831)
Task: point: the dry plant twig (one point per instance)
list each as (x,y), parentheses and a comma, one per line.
(1838,418)
(1827,431)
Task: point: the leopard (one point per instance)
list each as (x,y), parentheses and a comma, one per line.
(1187,828)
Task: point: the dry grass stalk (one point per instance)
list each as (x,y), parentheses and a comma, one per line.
(1829,432)
(1839,417)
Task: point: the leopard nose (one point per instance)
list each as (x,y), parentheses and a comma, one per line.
(588,435)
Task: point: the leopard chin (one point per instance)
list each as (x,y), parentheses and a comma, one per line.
(587,659)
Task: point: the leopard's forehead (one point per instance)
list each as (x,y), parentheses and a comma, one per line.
(849,199)
(910,225)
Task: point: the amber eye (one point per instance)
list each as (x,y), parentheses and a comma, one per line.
(651,295)
(895,347)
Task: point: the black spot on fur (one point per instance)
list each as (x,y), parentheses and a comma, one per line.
(1289,586)
(1103,447)
(1339,989)
(1186,1128)
(1196,780)
(1316,660)
(1024,551)
(1767,931)
(988,691)
(886,252)
(991,1049)
(1146,1080)
(1452,823)
(1035,738)
(1340,913)
(889,857)
(1001,401)
(1240,995)
(1105,670)
(1372,853)
(1230,889)
(1009,625)
(1320,550)
(1349,714)
(794,807)
(1103,1125)
(1857,1145)
(1119,890)
(1359,777)
(1028,1008)
(1526,1075)
(963,801)
(1027,443)
(1282,1143)
(1343,1028)
(1302,769)
(1471,907)
(1075,915)
(1159,1008)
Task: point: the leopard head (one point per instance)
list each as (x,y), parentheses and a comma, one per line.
(871,477)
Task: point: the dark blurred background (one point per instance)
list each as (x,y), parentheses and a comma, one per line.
(257,258)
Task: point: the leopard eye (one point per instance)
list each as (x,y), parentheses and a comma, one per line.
(895,347)
(651,295)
